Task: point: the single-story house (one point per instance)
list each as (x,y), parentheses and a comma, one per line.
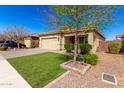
(55,40)
(32,41)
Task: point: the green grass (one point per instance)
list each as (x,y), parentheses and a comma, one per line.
(40,69)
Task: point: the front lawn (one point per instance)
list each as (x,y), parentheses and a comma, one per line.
(40,69)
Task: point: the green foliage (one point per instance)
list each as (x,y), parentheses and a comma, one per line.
(91,59)
(33,45)
(97,16)
(69,47)
(80,58)
(3,48)
(114,47)
(85,48)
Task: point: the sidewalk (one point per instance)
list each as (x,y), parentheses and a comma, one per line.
(9,78)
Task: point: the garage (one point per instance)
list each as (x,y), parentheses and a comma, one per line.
(49,43)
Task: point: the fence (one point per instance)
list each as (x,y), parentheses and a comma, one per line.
(103,46)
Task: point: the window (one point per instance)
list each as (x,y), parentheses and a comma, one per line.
(7,41)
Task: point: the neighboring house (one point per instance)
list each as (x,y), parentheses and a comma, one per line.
(120,37)
(31,40)
(56,40)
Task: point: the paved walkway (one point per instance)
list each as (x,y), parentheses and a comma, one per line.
(108,63)
(18,53)
(9,78)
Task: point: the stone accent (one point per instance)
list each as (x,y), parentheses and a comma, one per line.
(86,67)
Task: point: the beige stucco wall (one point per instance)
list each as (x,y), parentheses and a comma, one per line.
(27,42)
(73,34)
(90,38)
(93,39)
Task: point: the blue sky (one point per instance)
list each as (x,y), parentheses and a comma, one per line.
(29,17)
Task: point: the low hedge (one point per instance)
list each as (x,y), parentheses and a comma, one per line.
(69,47)
(114,47)
(91,59)
(85,48)
(33,45)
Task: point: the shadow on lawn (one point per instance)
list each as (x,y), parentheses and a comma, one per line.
(64,57)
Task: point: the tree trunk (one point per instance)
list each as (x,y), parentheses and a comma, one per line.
(76,36)
(18,44)
(75,46)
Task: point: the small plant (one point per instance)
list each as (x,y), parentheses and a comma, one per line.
(33,45)
(85,48)
(3,48)
(114,47)
(91,59)
(80,58)
(69,47)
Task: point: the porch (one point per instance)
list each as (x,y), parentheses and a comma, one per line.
(80,39)
(89,38)
(71,39)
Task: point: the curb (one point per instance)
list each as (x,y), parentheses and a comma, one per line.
(54,81)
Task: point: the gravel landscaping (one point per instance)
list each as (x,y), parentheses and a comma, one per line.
(108,63)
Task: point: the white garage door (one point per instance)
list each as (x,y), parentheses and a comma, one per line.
(49,43)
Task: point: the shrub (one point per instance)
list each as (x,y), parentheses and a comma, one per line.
(69,47)
(3,48)
(33,45)
(114,47)
(80,58)
(85,48)
(91,59)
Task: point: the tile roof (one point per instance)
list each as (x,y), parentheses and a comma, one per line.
(120,36)
(71,30)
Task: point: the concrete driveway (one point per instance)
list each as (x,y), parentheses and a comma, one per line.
(9,77)
(23,52)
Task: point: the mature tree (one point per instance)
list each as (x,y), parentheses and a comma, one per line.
(16,33)
(82,16)
(2,36)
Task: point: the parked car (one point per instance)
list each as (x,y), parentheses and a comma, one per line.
(11,44)
(1,43)
(22,45)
